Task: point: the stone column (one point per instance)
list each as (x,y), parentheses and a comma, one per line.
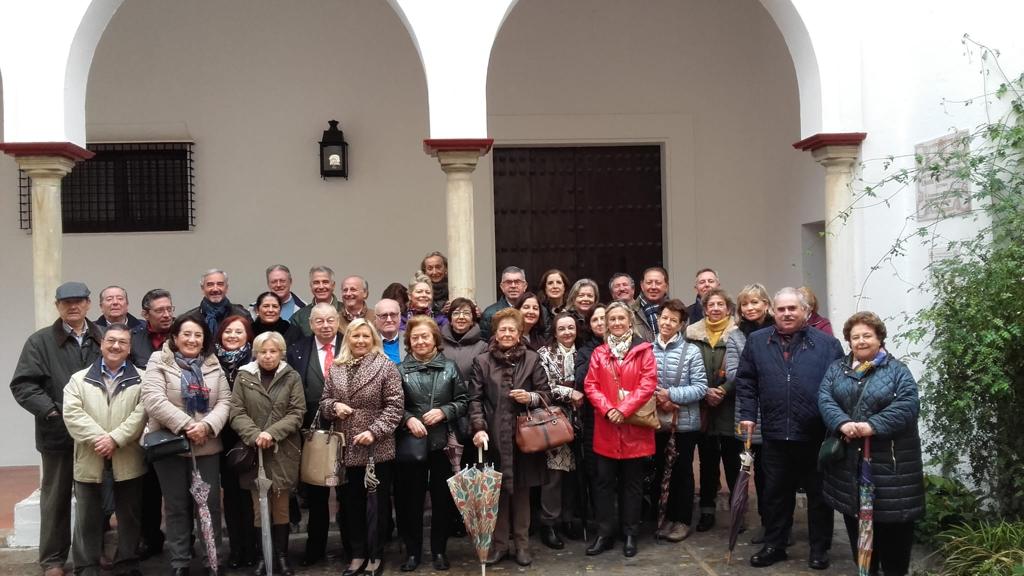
(46,164)
(458,160)
(839,155)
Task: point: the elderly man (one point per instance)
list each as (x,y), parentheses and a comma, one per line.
(49,358)
(279,281)
(513,285)
(354,292)
(321,285)
(311,356)
(215,306)
(707,280)
(435,266)
(104,417)
(387,319)
(622,287)
(779,374)
(653,293)
(114,308)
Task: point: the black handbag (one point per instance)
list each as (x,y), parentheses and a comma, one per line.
(163,443)
(412,450)
(832,450)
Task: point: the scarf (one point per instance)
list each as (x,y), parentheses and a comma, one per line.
(195,396)
(748,327)
(566,358)
(156,339)
(716,329)
(619,345)
(509,357)
(214,313)
(232,360)
(440,296)
(650,311)
(863,367)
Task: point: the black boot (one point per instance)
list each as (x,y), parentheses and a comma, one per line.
(261,567)
(280,534)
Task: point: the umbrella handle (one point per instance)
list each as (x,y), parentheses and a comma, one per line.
(746,443)
(480,452)
(867,447)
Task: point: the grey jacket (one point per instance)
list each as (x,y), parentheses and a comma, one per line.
(681,371)
(733,348)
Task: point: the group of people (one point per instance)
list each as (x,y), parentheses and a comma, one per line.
(419,372)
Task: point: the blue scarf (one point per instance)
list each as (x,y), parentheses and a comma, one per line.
(863,367)
(214,313)
(195,396)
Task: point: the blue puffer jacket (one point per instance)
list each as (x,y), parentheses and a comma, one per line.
(890,405)
(785,391)
(685,379)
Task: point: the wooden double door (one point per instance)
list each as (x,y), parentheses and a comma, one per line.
(589,211)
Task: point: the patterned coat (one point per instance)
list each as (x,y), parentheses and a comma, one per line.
(561,381)
(372,387)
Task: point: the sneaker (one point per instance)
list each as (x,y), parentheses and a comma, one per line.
(678,532)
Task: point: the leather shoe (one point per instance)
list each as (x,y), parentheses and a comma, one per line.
(441,562)
(767,556)
(495,557)
(523,557)
(819,563)
(549,537)
(601,543)
(411,563)
(378,571)
(147,549)
(573,530)
(359,570)
(706,522)
(311,559)
(629,546)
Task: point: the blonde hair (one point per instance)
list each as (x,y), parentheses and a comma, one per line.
(269,338)
(346,352)
(755,291)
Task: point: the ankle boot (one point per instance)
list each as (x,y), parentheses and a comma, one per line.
(280,533)
(261,567)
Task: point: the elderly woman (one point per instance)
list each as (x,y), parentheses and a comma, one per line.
(507,379)
(435,266)
(233,348)
(461,335)
(581,301)
(268,318)
(185,391)
(718,443)
(870,400)
(621,379)
(363,396)
(816,320)
(682,384)
(435,398)
(755,313)
(267,406)
(558,495)
(553,285)
(421,299)
(534,331)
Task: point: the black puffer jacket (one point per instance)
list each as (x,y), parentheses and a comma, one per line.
(429,385)
(890,405)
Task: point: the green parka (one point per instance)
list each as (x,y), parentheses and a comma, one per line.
(722,417)
(281,405)
(436,383)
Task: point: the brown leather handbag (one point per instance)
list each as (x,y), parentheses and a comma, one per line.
(541,429)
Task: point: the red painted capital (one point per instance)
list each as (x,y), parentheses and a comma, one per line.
(822,139)
(65,149)
(479,145)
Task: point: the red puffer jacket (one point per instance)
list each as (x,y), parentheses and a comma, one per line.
(638,375)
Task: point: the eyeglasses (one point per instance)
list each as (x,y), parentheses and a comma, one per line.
(118,341)
(162,311)
(387,315)
(513,282)
(462,314)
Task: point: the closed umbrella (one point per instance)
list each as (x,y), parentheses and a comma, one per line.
(370,482)
(866,528)
(740,496)
(453,450)
(263,485)
(671,454)
(200,495)
(476,492)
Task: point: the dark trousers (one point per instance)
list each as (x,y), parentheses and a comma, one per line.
(55,507)
(892,544)
(318,501)
(559,497)
(90,519)
(787,466)
(755,449)
(175,478)
(411,482)
(714,448)
(152,509)
(354,501)
(514,517)
(681,487)
(238,515)
(622,482)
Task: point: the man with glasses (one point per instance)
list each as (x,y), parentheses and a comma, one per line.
(387,319)
(49,358)
(114,308)
(279,281)
(513,284)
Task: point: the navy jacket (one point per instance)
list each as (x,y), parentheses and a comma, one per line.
(785,391)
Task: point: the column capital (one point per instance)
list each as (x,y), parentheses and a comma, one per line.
(833,150)
(433,146)
(45,166)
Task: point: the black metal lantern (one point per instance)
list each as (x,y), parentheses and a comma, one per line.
(333,153)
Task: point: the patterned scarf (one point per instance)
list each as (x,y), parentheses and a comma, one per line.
(651,312)
(214,313)
(863,367)
(232,360)
(194,394)
(566,358)
(619,345)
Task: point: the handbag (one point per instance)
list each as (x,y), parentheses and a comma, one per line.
(242,457)
(412,450)
(647,415)
(162,443)
(323,452)
(833,448)
(541,429)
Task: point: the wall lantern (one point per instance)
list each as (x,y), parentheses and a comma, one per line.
(333,153)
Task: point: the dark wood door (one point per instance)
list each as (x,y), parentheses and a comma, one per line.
(590,211)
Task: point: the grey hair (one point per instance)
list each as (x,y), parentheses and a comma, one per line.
(570,299)
(323,308)
(618,275)
(277,267)
(154,294)
(420,278)
(790,291)
(366,285)
(513,270)
(114,286)
(211,272)
(616,306)
(321,270)
(272,337)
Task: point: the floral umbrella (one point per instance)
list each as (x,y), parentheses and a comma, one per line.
(200,495)
(866,529)
(671,454)
(476,491)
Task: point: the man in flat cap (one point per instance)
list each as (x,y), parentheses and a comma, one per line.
(49,358)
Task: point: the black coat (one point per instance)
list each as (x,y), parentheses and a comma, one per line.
(890,405)
(300,354)
(429,385)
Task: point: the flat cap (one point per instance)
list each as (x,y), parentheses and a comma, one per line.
(72,290)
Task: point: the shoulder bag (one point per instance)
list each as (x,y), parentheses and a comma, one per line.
(242,457)
(162,443)
(323,453)
(647,415)
(408,448)
(833,448)
(541,429)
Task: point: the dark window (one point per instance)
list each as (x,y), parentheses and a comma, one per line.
(125,187)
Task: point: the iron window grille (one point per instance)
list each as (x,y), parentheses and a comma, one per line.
(125,187)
